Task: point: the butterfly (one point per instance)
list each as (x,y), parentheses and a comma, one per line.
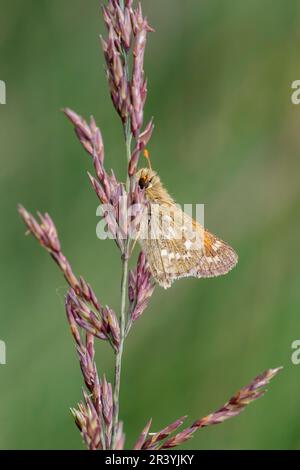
(175,244)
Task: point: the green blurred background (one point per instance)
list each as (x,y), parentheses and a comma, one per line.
(227,135)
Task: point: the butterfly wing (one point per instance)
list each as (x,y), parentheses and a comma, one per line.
(177,246)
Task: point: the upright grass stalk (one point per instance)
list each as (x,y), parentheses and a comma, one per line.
(97,416)
(125,268)
(124,290)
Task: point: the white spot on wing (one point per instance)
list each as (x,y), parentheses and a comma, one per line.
(216,245)
(188,244)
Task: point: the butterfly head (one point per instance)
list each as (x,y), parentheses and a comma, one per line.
(147,178)
(149,181)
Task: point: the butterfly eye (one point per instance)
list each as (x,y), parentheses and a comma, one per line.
(143,183)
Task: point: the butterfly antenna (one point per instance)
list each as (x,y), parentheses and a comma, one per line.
(147,156)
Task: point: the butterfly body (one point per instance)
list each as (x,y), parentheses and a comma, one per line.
(175,244)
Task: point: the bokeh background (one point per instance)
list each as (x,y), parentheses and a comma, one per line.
(227,135)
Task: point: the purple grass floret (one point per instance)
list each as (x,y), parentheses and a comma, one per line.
(232,408)
(140,289)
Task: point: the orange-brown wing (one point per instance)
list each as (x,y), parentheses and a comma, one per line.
(184,249)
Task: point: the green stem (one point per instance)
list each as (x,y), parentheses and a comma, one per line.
(124,289)
(119,355)
(124,282)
